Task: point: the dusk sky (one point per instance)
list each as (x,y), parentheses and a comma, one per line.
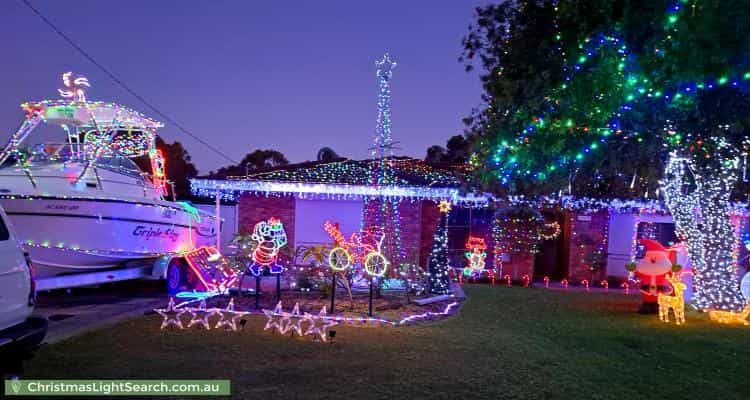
(291,76)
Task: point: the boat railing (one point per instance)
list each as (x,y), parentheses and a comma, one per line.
(33,179)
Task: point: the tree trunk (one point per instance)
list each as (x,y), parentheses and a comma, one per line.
(701,213)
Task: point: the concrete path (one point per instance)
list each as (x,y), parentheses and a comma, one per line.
(84,309)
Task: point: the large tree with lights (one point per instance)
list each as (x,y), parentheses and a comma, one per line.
(621,98)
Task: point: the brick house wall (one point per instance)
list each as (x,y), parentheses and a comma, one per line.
(252,209)
(518,265)
(418,220)
(588,232)
(410,213)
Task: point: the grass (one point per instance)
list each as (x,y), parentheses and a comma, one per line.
(504,343)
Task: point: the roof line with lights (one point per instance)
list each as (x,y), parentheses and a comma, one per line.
(232,189)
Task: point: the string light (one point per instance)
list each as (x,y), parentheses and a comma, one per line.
(710,240)
(231,190)
(550,231)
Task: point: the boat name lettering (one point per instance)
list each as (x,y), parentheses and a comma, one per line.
(69,207)
(148,233)
(168,213)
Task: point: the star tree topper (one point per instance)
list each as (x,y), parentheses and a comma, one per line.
(444,206)
(385,67)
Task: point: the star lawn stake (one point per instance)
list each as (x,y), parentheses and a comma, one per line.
(293,321)
(229,317)
(200,315)
(274,319)
(171,315)
(319,324)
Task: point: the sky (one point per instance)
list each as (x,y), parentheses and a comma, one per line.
(293,76)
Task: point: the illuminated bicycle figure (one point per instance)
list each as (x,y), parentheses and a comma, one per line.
(362,247)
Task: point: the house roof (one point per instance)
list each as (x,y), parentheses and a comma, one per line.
(404,177)
(400,171)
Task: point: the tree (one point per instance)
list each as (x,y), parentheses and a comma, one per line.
(178,166)
(654,84)
(457,151)
(258,159)
(438,264)
(326,154)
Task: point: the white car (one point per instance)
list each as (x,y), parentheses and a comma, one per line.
(19,331)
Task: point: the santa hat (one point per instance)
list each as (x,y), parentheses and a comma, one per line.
(652,245)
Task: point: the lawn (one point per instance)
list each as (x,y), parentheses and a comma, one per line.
(503,343)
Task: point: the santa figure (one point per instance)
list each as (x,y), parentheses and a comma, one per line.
(652,271)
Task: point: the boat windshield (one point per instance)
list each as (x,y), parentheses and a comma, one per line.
(121,165)
(51,153)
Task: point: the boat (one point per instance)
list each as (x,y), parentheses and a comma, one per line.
(82,204)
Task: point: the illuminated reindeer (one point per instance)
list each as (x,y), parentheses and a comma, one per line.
(675,302)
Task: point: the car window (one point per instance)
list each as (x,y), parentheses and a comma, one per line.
(4,234)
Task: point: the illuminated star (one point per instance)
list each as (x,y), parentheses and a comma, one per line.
(274,319)
(229,317)
(200,315)
(293,321)
(444,206)
(319,324)
(171,315)
(385,66)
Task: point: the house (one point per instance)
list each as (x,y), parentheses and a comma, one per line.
(306,195)
(586,240)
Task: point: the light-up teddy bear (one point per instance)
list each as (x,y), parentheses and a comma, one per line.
(270,237)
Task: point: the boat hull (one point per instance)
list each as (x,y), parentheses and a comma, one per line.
(80,234)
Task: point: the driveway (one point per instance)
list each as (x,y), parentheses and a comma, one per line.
(74,311)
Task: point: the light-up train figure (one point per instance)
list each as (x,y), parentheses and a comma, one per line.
(270,237)
(362,247)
